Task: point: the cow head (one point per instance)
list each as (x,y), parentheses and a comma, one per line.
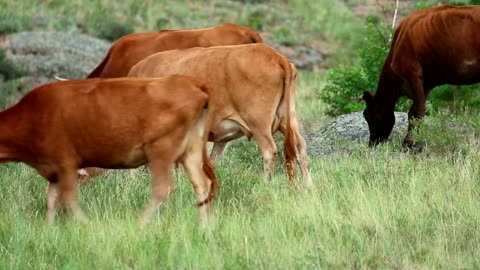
(380,120)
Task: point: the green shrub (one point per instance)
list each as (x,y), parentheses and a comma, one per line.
(8,70)
(161,23)
(342,86)
(346,83)
(255,18)
(101,23)
(285,36)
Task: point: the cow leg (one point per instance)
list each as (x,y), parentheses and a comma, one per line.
(269,151)
(200,182)
(52,202)
(302,159)
(416,112)
(301,151)
(217,150)
(162,186)
(67,184)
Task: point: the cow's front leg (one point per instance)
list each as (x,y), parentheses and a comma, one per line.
(415,116)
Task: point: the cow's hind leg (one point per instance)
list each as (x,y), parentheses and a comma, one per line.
(269,151)
(300,150)
(67,185)
(302,156)
(162,185)
(193,161)
(52,202)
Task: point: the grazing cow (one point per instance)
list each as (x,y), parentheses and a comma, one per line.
(430,47)
(130,49)
(111,123)
(252,94)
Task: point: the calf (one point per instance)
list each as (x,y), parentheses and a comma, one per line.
(130,49)
(122,123)
(252,94)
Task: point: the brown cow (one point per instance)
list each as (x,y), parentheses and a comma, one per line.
(130,49)
(111,123)
(253,95)
(430,47)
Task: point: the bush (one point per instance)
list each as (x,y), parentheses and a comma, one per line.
(8,70)
(254,18)
(344,84)
(101,23)
(285,36)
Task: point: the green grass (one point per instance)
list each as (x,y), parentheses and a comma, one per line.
(373,208)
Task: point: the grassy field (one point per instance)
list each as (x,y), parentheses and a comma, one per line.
(372,208)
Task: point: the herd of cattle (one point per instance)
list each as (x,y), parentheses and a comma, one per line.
(158,98)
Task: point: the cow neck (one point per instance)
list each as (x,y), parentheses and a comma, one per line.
(389,87)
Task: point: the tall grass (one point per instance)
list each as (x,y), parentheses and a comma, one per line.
(373,208)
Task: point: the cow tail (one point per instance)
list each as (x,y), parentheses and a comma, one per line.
(289,145)
(99,69)
(208,166)
(256,38)
(209,171)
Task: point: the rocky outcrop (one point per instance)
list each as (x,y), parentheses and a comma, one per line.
(46,54)
(348,128)
(303,57)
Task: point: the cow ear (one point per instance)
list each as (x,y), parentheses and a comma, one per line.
(367,97)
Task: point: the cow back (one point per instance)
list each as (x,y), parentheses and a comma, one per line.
(132,48)
(440,42)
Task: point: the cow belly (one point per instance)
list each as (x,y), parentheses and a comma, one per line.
(136,158)
(229,130)
(131,159)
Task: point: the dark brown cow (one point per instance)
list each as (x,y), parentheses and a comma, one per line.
(111,123)
(430,47)
(130,49)
(253,95)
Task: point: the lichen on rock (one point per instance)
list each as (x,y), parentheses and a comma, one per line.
(48,54)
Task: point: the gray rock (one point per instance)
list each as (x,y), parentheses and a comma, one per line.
(353,127)
(348,132)
(48,54)
(303,57)
(340,133)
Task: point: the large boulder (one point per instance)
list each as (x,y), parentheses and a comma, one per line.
(303,57)
(347,129)
(46,54)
